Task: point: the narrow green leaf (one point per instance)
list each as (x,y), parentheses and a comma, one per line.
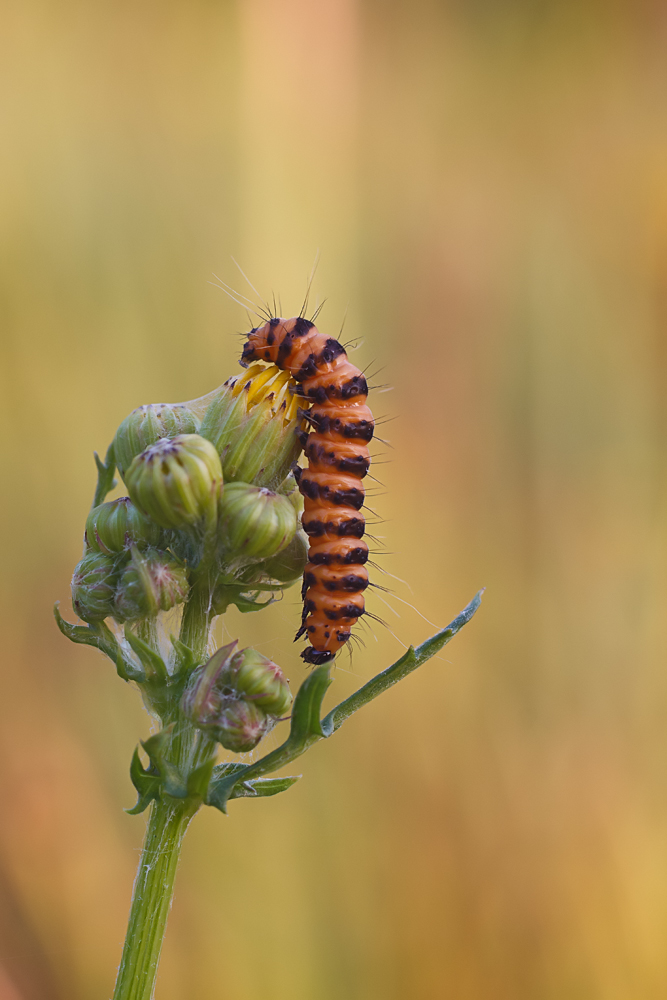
(146,783)
(98,635)
(171,779)
(105,475)
(306,725)
(198,780)
(410,660)
(156,744)
(307,706)
(262,787)
(151,661)
(185,658)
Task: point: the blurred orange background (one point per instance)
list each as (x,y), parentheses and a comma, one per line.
(486,185)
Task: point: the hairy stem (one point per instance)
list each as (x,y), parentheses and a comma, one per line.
(197,617)
(151,899)
(168,821)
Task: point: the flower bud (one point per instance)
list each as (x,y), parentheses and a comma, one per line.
(117,525)
(253,422)
(153,581)
(259,680)
(146,425)
(209,687)
(93,586)
(240,726)
(288,565)
(256,523)
(176,481)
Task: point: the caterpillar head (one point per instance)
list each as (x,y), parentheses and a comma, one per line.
(265,342)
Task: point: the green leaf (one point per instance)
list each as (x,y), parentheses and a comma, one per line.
(105,473)
(151,661)
(410,660)
(307,706)
(258,788)
(171,779)
(239,597)
(146,782)
(307,728)
(101,637)
(198,780)
(262,787)
(185,658)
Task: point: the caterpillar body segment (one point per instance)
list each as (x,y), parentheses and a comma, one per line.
(338,459)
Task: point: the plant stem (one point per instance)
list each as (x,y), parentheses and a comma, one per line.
(196,623)
(151,899)
(167,823)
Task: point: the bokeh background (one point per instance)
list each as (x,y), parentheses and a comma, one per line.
(486,185)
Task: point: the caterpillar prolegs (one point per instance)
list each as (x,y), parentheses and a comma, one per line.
(338,459)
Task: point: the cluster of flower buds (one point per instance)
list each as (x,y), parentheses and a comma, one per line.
(237,697)
(211,498)
(123,574)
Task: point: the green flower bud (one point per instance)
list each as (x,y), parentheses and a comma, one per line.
(256,523)
(153,581)
(176,481)
(93,586)
(209,687)
(240,726)
(117,525)
(213,704)
(259,680)
(146,425)
(288,565)
(253,422)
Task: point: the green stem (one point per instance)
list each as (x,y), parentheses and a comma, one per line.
(196,623)
(168,821)
(151,899)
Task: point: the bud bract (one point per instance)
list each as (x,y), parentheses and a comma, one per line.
(152,581)
(259,680)
(240,726)
(176,481)
(255,522)
(117,525)
(253,422)
(146,425)
(290,489)
(93,586)
(288,565)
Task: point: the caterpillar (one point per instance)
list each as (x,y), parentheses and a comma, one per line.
(341,425)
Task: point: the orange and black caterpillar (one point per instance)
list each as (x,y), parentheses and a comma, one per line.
(338,459)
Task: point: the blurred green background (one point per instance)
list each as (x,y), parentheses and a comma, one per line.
(486,184)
